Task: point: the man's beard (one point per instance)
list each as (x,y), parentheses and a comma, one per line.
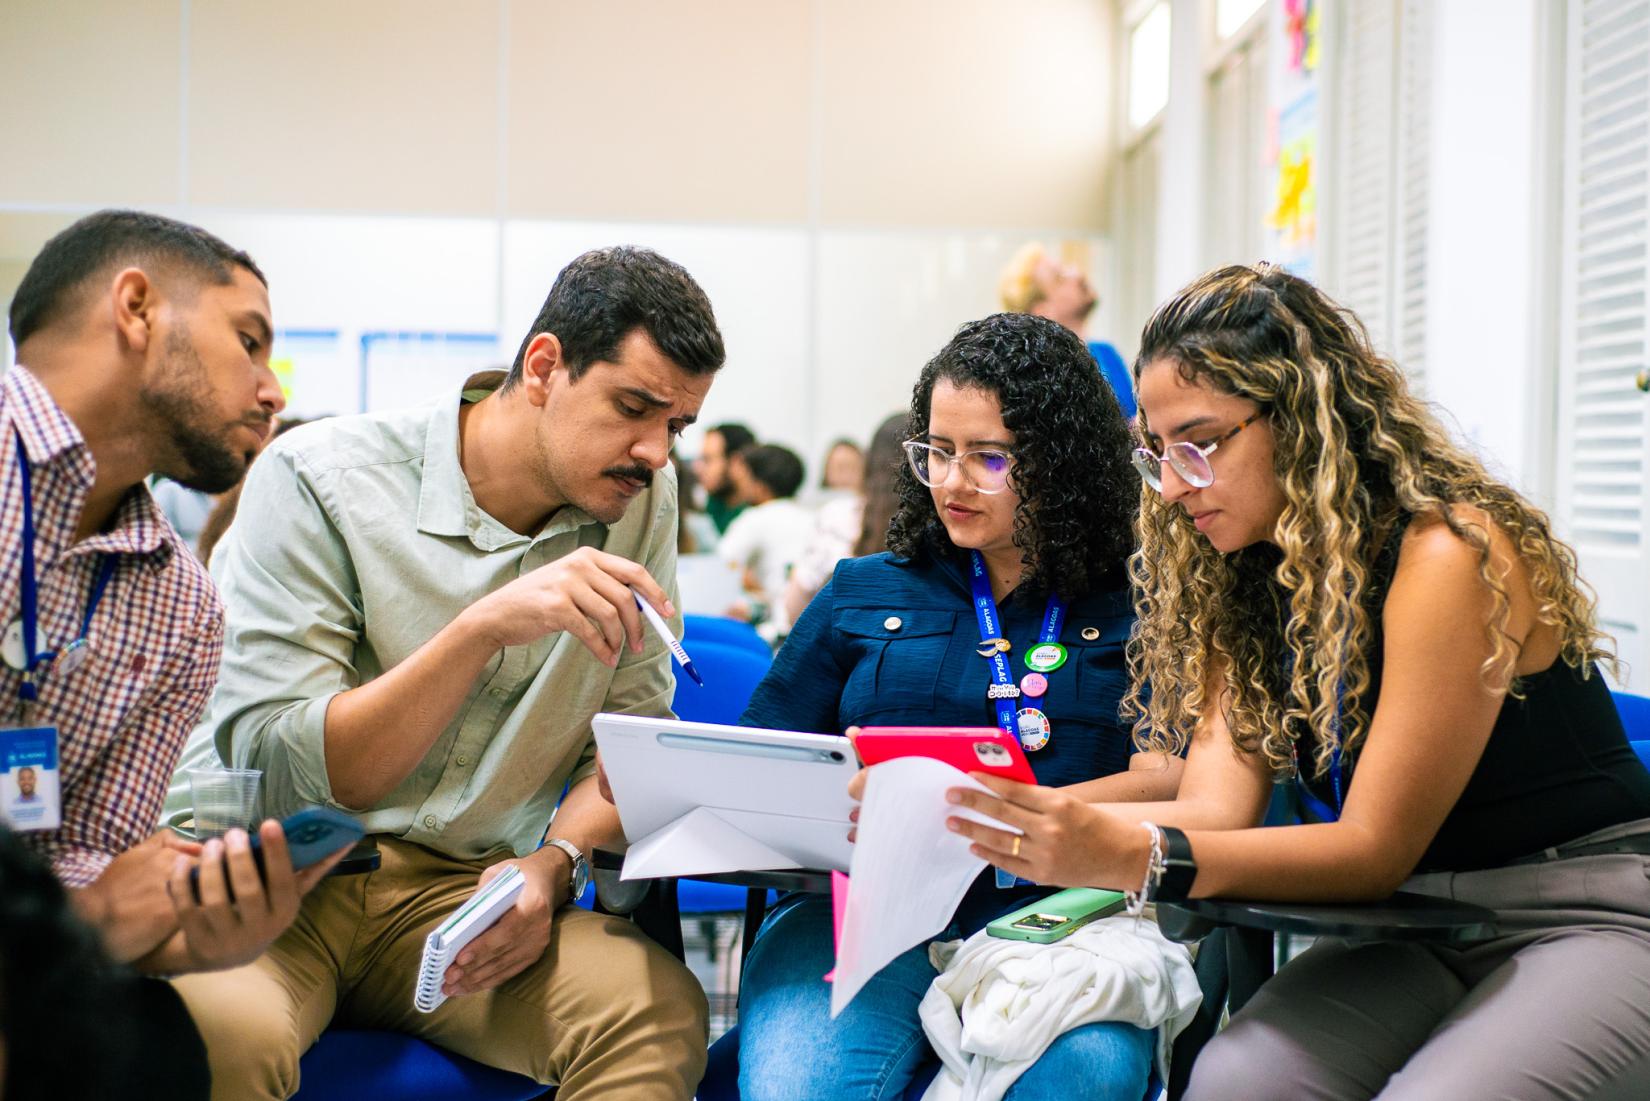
(202,457)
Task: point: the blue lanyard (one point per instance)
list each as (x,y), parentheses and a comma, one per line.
(27,691)
(985,611)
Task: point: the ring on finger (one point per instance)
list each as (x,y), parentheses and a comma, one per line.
(1015,851)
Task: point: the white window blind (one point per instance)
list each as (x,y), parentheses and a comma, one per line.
(1603,421)
(1235,210)
(1414,132)
(1381,116)
(1364,162)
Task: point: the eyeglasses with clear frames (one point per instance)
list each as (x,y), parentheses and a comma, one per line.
(1190,460)
(986,469)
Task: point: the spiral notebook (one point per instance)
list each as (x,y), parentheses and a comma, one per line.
(468,922)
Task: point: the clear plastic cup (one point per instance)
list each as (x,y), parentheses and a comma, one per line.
(224,798)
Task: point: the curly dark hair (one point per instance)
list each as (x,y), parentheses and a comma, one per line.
(1078,493)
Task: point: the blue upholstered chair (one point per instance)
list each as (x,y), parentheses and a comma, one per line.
(351,1065)
(723,632)
(732,669)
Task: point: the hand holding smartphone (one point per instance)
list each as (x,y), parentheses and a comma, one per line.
(312,834)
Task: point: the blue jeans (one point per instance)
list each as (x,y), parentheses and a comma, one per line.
(791,1050)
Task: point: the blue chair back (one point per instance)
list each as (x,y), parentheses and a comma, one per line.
(1635,716)
(731,674)
(732,670)
(722,632)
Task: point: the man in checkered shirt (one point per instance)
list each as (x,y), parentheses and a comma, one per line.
(142,347)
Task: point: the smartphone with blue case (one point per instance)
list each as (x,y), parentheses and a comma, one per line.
(312,834)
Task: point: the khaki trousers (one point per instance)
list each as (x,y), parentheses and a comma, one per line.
(604,1013)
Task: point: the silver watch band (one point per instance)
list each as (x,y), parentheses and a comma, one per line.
(578,876)
(567,847)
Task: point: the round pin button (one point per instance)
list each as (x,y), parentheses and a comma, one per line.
(1046,658)
(1034,684)
(74,655)
(1033,727)
(893,623)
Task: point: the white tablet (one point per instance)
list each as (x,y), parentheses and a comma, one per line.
(697,798)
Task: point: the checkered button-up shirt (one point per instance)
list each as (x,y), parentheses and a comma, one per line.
(154,642)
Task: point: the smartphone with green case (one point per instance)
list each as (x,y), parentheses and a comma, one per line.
(1057,916)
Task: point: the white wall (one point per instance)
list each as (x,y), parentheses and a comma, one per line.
(1490,306)
(1181,171)
(845,177)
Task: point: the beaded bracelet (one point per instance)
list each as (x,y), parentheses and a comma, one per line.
(1135,901)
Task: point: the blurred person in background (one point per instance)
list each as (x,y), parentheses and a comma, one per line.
(223,512)
(849,527)
(720,444)
(187,509)
(1058,288)
(696,533)
(772,531)
(844,467)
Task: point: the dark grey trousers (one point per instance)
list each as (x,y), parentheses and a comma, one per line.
(1555,1007)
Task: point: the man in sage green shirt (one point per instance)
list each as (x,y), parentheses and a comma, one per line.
(424,610)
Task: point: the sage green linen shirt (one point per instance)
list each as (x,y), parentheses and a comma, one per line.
(357,539)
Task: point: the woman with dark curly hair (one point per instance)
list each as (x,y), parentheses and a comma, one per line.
(1017,493)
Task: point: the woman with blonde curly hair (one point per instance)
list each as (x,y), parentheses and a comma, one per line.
(1332,593)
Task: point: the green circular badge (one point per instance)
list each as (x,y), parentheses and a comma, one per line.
(1046,658)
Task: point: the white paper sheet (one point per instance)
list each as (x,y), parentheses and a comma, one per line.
(909,873)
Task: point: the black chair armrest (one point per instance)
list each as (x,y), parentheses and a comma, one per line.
(1403,916)
(659,914)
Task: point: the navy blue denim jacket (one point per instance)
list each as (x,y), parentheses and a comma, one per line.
(891,643)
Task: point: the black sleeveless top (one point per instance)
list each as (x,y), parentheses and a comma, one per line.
(1557,765)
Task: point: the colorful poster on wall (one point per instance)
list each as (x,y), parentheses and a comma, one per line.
(317,374)
(1296,124)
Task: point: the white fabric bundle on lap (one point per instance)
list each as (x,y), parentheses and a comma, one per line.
(998,1004)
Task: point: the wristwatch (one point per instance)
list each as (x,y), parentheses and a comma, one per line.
(1179,869)
(580,878)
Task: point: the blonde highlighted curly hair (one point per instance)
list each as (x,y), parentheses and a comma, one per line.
(1357,456)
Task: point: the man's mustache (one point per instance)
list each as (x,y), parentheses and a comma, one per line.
(637,473)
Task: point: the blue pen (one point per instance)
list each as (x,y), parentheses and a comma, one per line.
(659,625)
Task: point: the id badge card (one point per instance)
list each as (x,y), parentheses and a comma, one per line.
(30,793)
